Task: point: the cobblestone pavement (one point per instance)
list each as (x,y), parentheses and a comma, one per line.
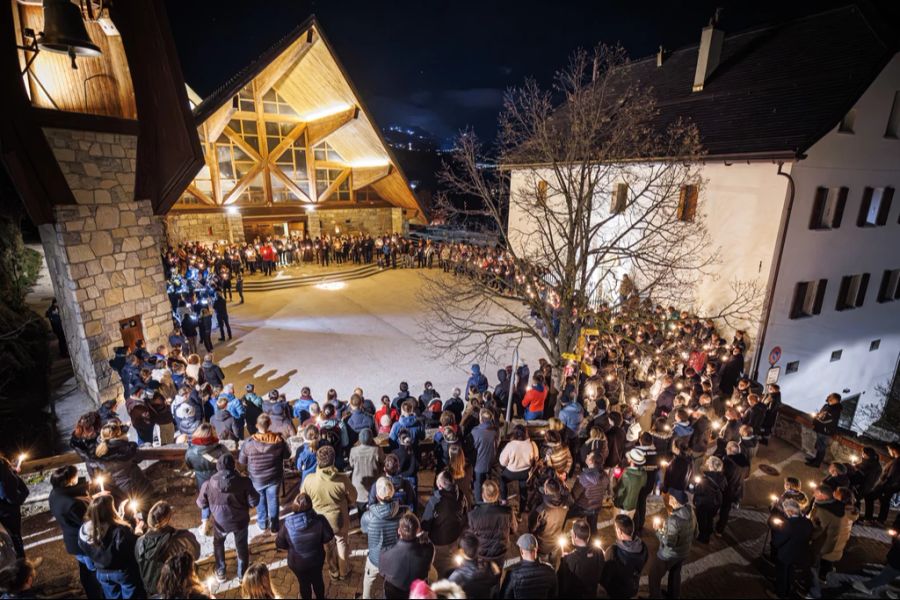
(731,566)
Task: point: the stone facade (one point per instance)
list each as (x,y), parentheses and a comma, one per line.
(374,221)
(103,254)
(203,227)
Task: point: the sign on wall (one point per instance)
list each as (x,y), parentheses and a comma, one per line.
(775,355)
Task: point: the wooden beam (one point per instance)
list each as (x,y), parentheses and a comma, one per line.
(262,136)
(311,171)
(363,176)
(322,128)
(284,63)
(199,195)
(242,185)
(282,176)
(237,139)
(292,136)
(217,122)
(334,185)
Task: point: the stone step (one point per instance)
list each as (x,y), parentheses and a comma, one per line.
(308,280)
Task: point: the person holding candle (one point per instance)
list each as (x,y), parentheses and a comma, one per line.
(891,569)
(580,570)
(477,577)
(708,497)
(887,485)
(407,560)
(159,543)
(825,424)
(790,545)
(676,536)
(13,493)
(624,561)
(530,578)
(548,519)
(109,541)
(68,504)
(865,474)
(117,457)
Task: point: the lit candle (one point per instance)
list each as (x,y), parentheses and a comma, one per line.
(854,458)
(698,479)
(813,484)
(776,521)
(664,463)
(717,424)
(892,532)
(134,505)
(100,480)
(597,544)
(562,541)
(459,560)
(19,462)
(657,522)
(774,497)
(210,582)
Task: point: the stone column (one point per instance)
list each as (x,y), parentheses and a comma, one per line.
(104,255)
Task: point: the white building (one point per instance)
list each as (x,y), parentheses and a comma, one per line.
(801,125)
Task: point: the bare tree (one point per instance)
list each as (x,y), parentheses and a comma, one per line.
(603,198)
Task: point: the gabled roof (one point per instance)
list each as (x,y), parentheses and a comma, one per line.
(778,89)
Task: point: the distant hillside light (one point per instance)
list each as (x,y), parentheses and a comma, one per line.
(64,31)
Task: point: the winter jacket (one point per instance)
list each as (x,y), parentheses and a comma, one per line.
(226,426)
(615,439)
(403,563)
(558,457)
(412,425)
(456,405)
(212,374)
(264,455)
(444,517)
(404,493)
(700,437)
(865,476)
(791,539)
(120,461)
(833,521)
(477,578)
(186,415)
(530,579)
(301,408)
(571,415)
(366,462)
(755,417)
(889,481)
(156,546)
(379,523)
(113,552)
(622,567)
(85,448)
(332,494)
(68,506)
(678,474)
(579,573)
(304,535)
(484,441)
(229,496)
(478,380)
(13,491)
(629,488)
(677,534)
(534,400)
(501,390)
(202,458)
(280,415)
(356,422)
(492,525)
(547,521)
(518,456)
(736,469)
(599,448)
(590,489)
(827,419)
(708,493)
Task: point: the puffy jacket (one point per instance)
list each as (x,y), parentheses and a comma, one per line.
(530,579)
(445,515)
(477,578)
(598,447)
(491,524)
(403,563)
(301,408)
(68,506)
(484,442)
(735,468)
(412,425)
(280,415)
(677,534)
(212,374)
(571,414)
(558,457)
(304,535)
(791,539)
(379,523)
(547,521)
(114,552)
(229,496)
(153,549)
(118,458)
(629,488)
(478,380)
(13,491)
(226,426)
(708,493)
(590,489)
(331,493)
(366,462)
(579,573)
(202,459)
(264,455)
(833,521)
(622,567)
(534,399)
(187,416)
(404,493)
(356,422)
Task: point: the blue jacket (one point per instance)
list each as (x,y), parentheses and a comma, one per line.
(359,420)
(235,407)
(484,441)
(304,535)
(478,380)
(410,423)
(306,461)
(301,408)
(682,430)
(379,523)
(571,414)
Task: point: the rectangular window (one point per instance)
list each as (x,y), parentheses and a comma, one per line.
(828,208)
(619,199)
(687,203)
(793,367)
(893,126)
(876,204)
(875,345)
(808,297)
(836,355)
(853,291)
(848,121)
(540,193)
(890,286)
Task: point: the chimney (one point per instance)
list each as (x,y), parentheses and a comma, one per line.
(709,53)
(660,57)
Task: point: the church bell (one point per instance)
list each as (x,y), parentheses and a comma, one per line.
(64,31)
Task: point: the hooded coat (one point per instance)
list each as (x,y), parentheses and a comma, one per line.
(491,524)
(264,455)
(677,534)
(280,414)
(501,390)
(833,521)
(548,520)
(118,458)
(68,506)
(113,552)
(153,549)
(478,380)
(202,456)
(304,535)
(332,494)
(229,496)
(367,462)
(622,567)
(444,517)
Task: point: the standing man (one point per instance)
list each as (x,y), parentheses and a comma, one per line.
(332,495)
(56,325)
(580,570)
(68,501)
(229,496)
(790,545)
(13,493)
(264,455)
(825,424)
(492,523)
(380,524)
(239,286)
(530,578)
(484,442)
(407,560)
(221,308)
(444,519)
(676,535)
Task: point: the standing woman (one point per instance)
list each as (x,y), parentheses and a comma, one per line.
(462,473)
(117,456)
(304,535)
(84,439)
(109,542)
(517,458)
(206,328)
(13,493)
(202,455)
(257,583)
(178,579)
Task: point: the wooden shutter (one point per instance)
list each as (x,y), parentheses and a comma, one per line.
(619,199)
(687,203)
(842,293)
(861,291)
(884,294)
(864,208)
(839,208)
(820,296)
(887,195)
(818,211)
(541,193)
(799,297)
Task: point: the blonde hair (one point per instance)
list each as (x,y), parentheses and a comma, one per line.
(257,583)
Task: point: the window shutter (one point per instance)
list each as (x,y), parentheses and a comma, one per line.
(864,208)
(818,211)
(820,296)
(863,286)
(842,293)
(694,196)
(799,296)
(679,214)
(883,291)
(886,197)
(839,208)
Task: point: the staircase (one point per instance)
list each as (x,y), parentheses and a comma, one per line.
(283,283)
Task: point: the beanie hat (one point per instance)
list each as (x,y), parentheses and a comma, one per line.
(325,456)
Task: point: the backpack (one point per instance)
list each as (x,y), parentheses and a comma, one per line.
(330,435)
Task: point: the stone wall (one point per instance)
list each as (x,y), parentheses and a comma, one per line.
(374,221)
(103,254)
(204,227)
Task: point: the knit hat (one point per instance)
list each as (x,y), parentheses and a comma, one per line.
(637,456)
(365,436)
(325,456)
(527,541)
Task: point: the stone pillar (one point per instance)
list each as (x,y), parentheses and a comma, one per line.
(313,225)
(103,254)
(206,228)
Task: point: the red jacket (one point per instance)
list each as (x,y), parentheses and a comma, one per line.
(534,399)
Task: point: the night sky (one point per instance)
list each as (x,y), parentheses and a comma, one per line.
(444,65)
